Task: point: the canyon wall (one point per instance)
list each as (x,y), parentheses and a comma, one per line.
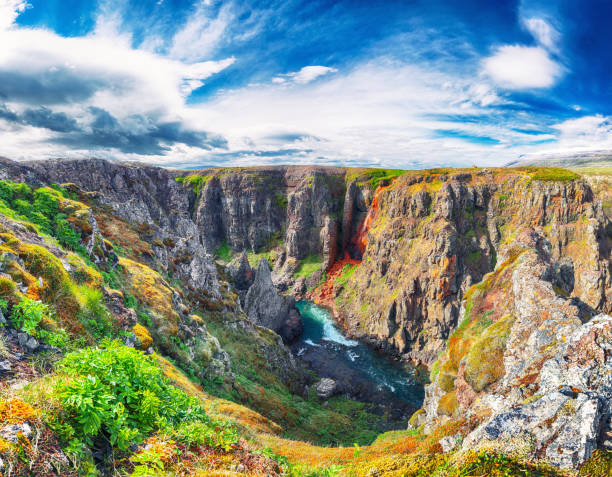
(413,244)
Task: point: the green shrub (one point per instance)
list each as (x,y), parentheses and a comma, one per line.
(30,316)
(119,394)
(66,235)
(224,252)
(196,182)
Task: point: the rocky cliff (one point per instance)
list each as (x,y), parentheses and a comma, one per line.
(405,247)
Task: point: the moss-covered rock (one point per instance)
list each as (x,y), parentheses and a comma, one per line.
(484,363)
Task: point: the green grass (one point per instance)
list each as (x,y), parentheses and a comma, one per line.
(375,176)
(593,171)
(549,174)
(347,272)
(196,182)
(224,252)
(308,266)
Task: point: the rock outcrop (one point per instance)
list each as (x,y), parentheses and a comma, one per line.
(266,307)
(529,369)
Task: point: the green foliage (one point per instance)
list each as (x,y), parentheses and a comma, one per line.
(117,393)
(194,434)
(347,272)
(30,316)
(111,278)
(281,200)
(196,182)
(549,174)
(41,207)
(224,252)
(308,266)
(374,177)
(94,316)
(66,235)
(130,301)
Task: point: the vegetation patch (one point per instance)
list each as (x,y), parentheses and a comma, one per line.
(195,181)
(484,363)
(224,252)
(308,266)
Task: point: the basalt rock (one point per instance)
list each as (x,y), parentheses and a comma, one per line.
(264,305)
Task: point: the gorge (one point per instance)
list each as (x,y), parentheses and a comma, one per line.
(490,287)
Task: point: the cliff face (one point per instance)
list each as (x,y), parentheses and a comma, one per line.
(529,369)
(413,244)
(436,235)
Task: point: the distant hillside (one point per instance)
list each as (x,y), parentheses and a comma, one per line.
(584,159)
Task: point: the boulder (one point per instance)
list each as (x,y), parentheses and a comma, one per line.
(12,432)
(326,388)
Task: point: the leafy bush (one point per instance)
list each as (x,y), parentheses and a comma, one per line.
(196,182)
(40,207)
(30,316)
(120,394)
(224,252)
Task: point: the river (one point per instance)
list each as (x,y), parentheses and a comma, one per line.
(359,371)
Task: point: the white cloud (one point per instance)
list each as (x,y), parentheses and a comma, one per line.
(9,11)
(521,67)
(306,74)
(202,33)
(543,32)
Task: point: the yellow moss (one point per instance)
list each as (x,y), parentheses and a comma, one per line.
(150,288)
(196,318)
(83,273)
(448,404)
(414,419)
(143,336)
(599,464)
(8,288)
(484,363)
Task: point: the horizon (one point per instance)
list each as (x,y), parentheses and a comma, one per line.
(321,83)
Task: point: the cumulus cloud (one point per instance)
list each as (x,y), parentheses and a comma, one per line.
(521,67)
(41,72)
(9,11)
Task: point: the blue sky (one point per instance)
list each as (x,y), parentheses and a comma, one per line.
(410,84)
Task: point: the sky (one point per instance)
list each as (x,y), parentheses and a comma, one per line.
(404,84)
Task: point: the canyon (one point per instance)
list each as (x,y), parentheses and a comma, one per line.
(494,282)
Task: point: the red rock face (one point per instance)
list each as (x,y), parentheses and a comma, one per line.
(324,294)
(360,241)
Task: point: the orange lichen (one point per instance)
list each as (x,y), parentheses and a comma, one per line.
(15,411)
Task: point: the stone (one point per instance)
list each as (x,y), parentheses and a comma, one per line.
(5,366)
(450,443)
(28,342)
(11,432)
(292,327)
(241,272)
(263,304)
(326,388)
